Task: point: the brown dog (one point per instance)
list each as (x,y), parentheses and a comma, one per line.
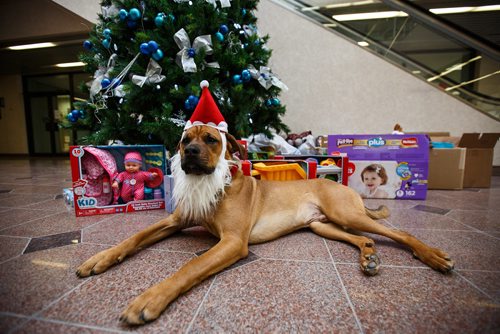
(240,211)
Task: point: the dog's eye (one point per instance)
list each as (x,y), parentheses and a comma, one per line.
(211,140)
(185,141)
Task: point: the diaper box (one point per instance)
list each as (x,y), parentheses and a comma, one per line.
(117,179)
(385,166)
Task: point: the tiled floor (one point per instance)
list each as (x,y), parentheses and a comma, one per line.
(301,283)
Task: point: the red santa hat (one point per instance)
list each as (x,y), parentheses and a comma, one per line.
(207,112)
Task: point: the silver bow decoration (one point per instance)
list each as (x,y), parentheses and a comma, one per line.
(152,76)
(223,3)
(109,11)
(101,73)
(200,43)
(250,30)
(266,78)
(98,95)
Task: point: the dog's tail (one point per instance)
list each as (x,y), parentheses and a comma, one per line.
(380,213)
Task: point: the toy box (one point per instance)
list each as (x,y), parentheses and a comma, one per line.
(385,166)
(333,167)
(281,169)
(169,188)
(115,179)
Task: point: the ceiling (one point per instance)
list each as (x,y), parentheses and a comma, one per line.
(485,25)
(53,22)
(48,22)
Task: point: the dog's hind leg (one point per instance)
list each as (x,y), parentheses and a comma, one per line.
(369,260)
(107,258)
(433,257)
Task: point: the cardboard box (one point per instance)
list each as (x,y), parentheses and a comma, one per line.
(399,163)
(479,158)
(95,168)
(446,168)
(472,157)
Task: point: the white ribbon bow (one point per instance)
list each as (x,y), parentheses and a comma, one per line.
(223,3)
(266,78)
(109,11)
(152,76)
(101,73)
(200,43)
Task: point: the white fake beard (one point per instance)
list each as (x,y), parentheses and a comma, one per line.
(198,195)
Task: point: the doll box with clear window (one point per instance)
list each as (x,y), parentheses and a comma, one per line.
(117,179)
(385,166)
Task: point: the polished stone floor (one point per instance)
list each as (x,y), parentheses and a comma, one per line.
(301,283)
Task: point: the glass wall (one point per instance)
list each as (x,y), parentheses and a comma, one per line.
(48,99)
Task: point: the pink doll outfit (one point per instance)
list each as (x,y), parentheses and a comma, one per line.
(132,184)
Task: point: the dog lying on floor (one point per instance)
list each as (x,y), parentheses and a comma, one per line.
(211,191)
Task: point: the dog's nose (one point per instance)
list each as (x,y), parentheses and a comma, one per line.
(192,150)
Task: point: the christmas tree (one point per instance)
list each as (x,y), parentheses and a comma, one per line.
(148,58)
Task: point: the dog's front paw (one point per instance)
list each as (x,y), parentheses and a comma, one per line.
(100,262)
(436,259)
(145,308)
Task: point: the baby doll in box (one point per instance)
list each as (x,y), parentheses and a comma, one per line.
(130,182)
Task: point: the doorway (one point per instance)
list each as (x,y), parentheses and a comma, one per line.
(46,112)
(48,99)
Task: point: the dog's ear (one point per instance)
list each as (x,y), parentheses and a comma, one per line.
(234,147)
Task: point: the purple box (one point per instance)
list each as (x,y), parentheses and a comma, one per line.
(385,166)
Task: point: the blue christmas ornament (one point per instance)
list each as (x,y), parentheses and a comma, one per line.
(72,118)
(269,102)
(223,29)
(219,36)
(134,14)
(106,42)
(159,20)
(144,48)
(157,55)
(88,45)
(131,24)
(75,113)
(245,75)
(82,114)
(237,79)
(193,100)
(105,83)
(152,46)
(243,12)
(191,52)
(106,32)
(123,14)
(275,101)
(171,17)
